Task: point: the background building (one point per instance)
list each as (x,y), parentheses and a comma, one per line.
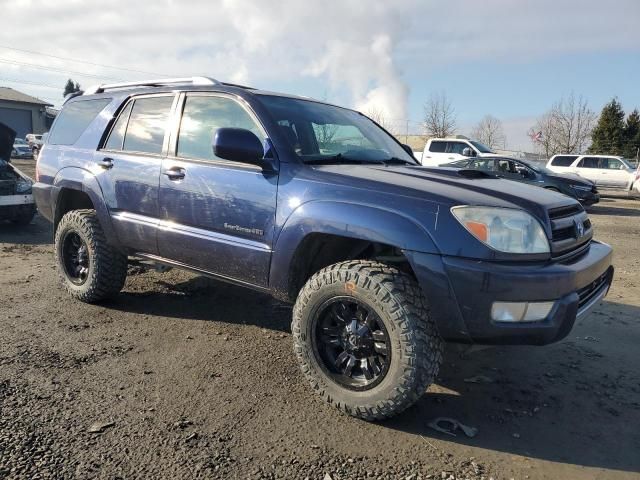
(24,113)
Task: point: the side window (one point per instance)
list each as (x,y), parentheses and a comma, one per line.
(486,165)
(116,138)
(74,120)
(148,124)
(589,162)
(438,147)
(202,116)
(456,147)
(563,161)
(611,163)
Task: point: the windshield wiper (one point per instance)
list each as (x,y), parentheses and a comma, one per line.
(338,158)
(398,161)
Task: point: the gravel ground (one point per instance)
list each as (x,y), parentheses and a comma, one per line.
(183,377)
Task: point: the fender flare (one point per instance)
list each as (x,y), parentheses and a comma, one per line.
(82,180)
(349,220)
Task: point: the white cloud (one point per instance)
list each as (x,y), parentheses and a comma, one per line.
(359,48)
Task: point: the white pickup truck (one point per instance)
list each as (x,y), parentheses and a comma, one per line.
(439,151)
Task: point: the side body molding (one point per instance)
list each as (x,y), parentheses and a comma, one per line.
(357,221)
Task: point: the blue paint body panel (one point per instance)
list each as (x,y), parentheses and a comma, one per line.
(246,223)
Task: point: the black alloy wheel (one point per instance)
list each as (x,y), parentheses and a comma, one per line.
(75,256)
(351,343)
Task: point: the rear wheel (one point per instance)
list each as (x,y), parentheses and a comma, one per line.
(90,269)
(364,338)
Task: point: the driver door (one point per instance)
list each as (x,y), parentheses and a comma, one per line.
(216,215)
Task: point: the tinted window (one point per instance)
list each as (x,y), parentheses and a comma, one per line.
(457,147)
(116,139)
(202,116)
(147,124)
(563,160)
(589,162)
(74,119)
(488,165)
(438,147)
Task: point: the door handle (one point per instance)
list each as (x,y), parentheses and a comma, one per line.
(106,163)
(175,173)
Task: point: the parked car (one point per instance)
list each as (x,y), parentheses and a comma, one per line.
(21,151)
(16,200)
(383,259)
(19,141)
(35,142)
(523,171)
(442,150)
(607,172)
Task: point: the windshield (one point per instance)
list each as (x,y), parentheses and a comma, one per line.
(324,133)
(481,147)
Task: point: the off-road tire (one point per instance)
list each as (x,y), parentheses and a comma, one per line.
(399,302)
(107,265)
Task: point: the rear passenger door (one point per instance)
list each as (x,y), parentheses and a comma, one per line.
(217,215)
(129,165)
(591,169)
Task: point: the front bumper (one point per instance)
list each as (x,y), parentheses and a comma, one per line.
(461,292)
(587,198)
(12,200)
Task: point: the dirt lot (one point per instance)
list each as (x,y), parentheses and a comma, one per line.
(196,379)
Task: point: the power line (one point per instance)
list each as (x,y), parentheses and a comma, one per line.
(59,70)
(83,61)
(26,82)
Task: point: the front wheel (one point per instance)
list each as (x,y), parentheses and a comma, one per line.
(90,269)
(364,338)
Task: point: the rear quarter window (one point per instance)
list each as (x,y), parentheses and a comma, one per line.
(438,147)
(74,119)
(563,160)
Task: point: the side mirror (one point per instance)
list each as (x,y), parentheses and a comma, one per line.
(238,145)
(468,152)
(408,149)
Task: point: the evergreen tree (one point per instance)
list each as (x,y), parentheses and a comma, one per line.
(607,137)
(632,135)
(71,87)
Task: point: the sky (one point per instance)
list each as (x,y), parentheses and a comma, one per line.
(508,58)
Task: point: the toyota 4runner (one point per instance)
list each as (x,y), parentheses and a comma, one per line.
(321,207)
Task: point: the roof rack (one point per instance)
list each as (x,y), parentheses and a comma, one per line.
(152,83)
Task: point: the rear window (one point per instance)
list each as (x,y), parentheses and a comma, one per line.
(438,147)
(563,160)
(74,119)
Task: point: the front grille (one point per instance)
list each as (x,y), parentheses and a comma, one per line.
(566,211)
(571,231)
(587,293)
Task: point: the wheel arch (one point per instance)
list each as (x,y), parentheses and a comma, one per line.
(77,188)
(322,233)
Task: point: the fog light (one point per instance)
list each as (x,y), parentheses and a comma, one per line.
(520,311)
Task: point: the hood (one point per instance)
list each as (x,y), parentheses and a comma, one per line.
(571,178)
(446,186)
(7,136)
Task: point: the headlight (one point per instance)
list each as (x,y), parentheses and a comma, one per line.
(503,229)
(23,186)
(584,188)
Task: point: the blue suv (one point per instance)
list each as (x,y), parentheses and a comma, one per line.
(321,207)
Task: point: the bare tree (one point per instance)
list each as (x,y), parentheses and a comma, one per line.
(439,116)
(490,132)
(378,116)
(565,128)
(325,133)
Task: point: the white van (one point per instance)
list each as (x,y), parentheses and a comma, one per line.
(439,151)
(606,171)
